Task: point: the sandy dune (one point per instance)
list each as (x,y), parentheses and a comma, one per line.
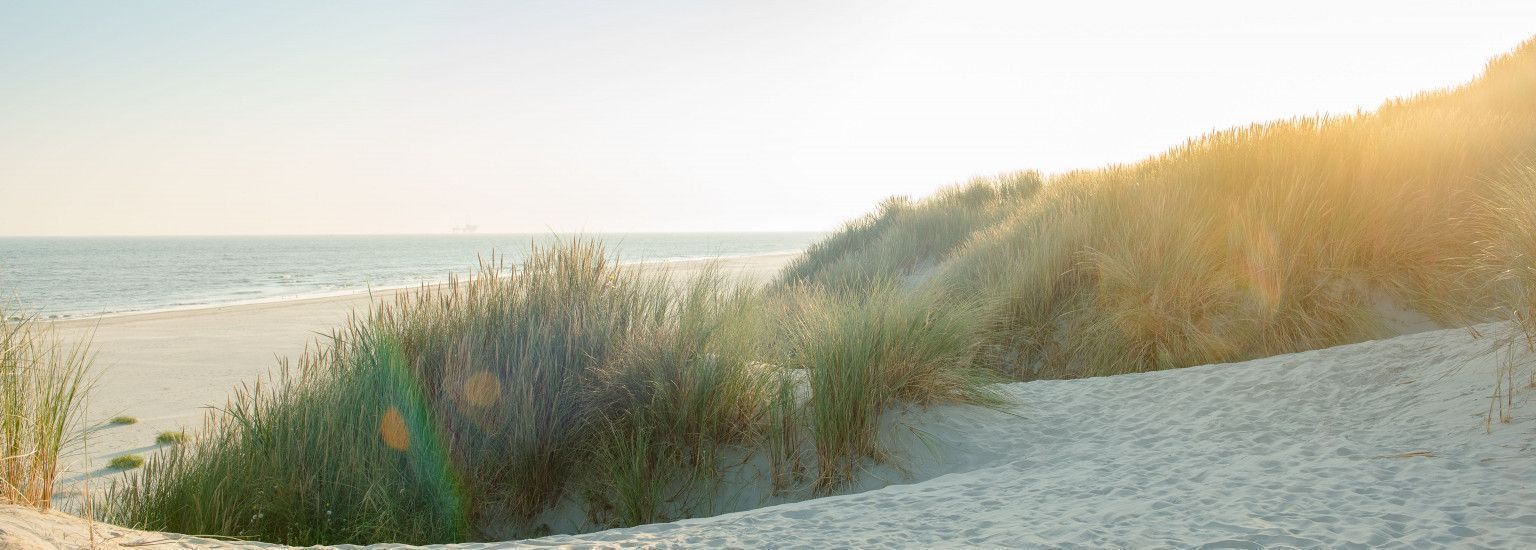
(165,368)
(1370,445)
(1374,444)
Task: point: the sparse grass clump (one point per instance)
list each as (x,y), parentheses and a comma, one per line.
(43,383)
(125,462)
(123,421)
(1506,269)
(1507,260)
(171,438)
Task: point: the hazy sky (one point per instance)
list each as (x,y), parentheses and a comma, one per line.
(204,117)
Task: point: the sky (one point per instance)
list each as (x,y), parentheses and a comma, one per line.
(199,117)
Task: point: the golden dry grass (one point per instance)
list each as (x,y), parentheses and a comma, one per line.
(1249,242)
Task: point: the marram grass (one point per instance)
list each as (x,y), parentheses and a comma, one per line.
(43,384)
(905,237)
(1506,266)
(472,410)
(1244,243)
(864,354)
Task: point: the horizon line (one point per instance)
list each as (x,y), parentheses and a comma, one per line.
(443,234)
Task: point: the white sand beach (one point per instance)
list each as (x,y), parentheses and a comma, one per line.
(1375,444)
(166,368)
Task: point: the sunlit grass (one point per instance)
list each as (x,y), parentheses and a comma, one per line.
(905,237)
(1506,265)
(1244,243)
(171,438)
(1507,258)
(123,421)
(43,384)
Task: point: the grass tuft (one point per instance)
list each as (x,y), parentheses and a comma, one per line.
(43,384)
(126,462)
(865,354)
(123,421)
(1505,268)
(476,409)
(171,438)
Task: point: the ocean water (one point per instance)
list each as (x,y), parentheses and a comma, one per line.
(79,276)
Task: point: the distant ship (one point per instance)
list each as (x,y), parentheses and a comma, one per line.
(466,228)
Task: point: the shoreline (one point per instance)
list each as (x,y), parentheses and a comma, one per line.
(165,368)
(72,318)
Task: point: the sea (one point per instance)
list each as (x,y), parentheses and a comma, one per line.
(69,277)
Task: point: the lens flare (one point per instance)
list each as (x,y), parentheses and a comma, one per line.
(1263,270)
(392,429)
(482,389)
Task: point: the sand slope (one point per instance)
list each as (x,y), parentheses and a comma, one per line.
(1374,444)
